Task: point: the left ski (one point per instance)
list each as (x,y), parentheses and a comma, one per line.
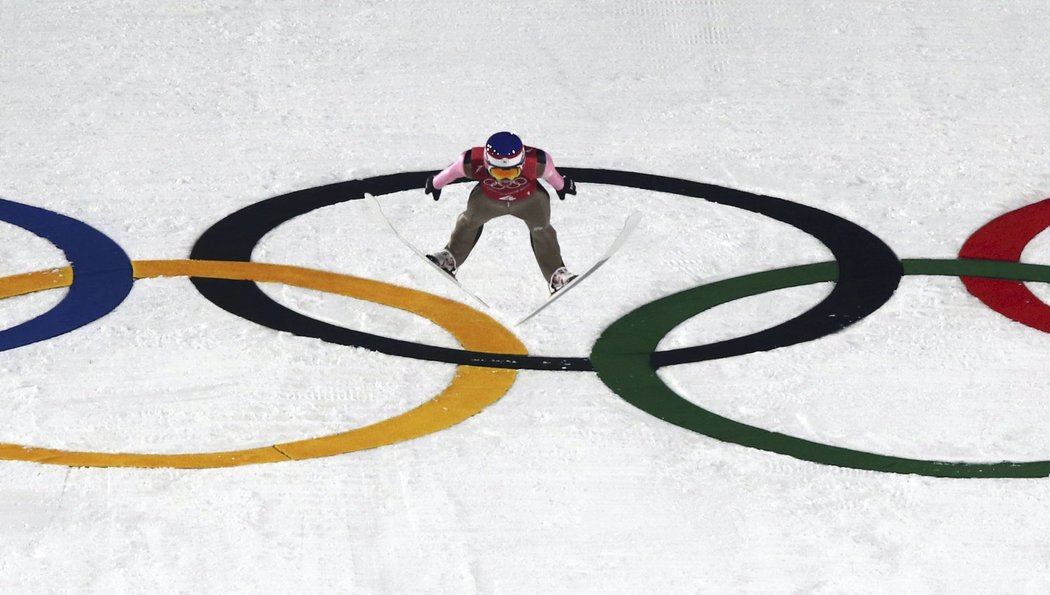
(628,227)
(375,203)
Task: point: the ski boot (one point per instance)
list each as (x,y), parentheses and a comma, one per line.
(559,279)
(444,260)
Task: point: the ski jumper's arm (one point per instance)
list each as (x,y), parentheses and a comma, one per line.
(551,175)
(453,172)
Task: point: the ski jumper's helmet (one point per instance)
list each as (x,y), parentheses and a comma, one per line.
(504,155)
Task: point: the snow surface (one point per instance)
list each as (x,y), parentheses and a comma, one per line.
(920,121)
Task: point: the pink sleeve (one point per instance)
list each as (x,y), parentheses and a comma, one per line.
(551,175)
(450,174)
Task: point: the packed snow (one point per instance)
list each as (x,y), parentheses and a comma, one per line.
(150,122)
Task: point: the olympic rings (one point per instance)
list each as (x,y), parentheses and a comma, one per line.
(505,183)
(865,273)
(102,279)
(471,390)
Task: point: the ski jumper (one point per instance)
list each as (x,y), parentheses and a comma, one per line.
(523,197)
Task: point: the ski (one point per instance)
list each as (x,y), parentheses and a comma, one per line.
(375,203)
(628,227)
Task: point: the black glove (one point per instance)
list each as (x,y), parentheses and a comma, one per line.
(568,188)
(435,191)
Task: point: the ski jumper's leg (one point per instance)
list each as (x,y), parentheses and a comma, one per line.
(480,210)
(535,211)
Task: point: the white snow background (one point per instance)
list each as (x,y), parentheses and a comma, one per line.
(920,121)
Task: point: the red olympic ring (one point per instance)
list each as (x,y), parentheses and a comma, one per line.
(1005,238)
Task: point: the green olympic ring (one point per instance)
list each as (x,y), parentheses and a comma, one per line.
(623,358)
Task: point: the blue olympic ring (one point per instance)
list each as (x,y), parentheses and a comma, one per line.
(102,274)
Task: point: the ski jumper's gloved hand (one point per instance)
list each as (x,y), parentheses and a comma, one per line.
(448,175)
(568,188)
(430,189)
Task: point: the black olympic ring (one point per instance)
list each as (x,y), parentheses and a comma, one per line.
(868,270)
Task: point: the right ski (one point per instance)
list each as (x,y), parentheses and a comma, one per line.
(628,227)
(375,203)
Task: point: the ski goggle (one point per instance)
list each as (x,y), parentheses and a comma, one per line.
(505,173)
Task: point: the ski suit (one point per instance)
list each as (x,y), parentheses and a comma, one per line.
(522,197)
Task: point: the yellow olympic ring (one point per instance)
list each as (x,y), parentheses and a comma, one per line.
(471,390)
